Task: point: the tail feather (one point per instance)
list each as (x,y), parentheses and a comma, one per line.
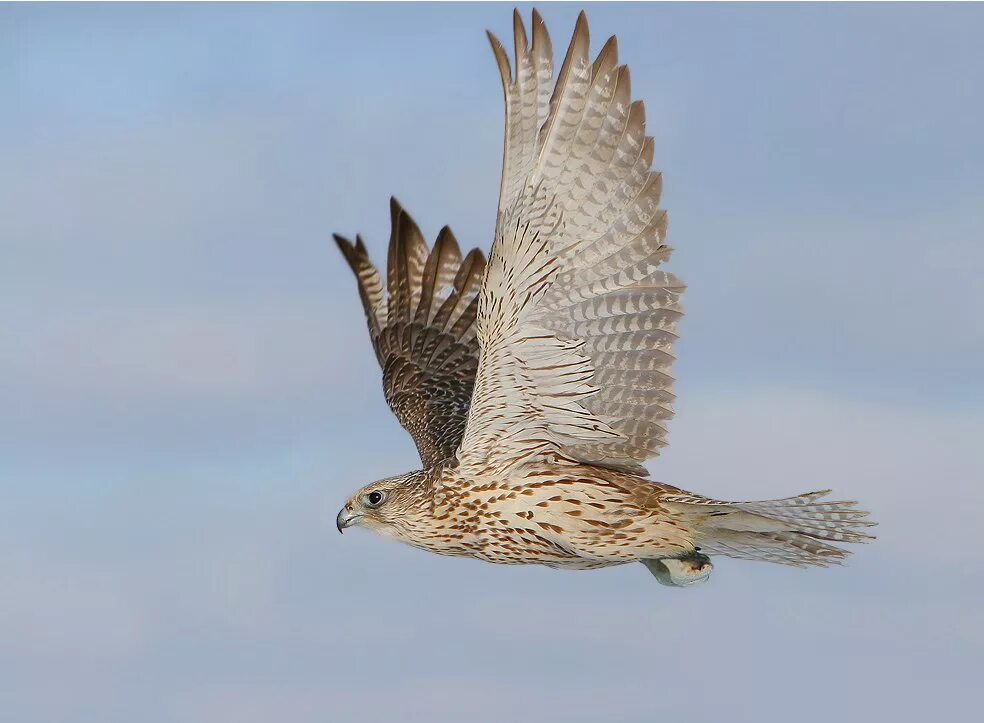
(792,531)
(784,548)
(834,521)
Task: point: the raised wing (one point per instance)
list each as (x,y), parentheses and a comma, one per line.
(422,327)
(576,322)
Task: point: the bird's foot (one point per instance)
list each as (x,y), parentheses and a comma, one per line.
(684,571)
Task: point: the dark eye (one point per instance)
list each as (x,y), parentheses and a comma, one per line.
(374,498)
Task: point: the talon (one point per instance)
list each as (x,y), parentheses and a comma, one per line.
(685,571)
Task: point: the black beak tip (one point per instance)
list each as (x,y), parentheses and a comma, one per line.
(341,521)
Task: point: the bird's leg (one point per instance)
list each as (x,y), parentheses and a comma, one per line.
(683,571)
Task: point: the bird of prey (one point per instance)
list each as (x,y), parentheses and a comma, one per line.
(536,383)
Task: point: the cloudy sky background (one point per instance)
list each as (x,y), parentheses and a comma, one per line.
(188,394)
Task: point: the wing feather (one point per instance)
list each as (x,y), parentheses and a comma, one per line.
(422,329)
(576,321)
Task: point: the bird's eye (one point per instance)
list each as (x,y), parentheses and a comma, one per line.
(374,498)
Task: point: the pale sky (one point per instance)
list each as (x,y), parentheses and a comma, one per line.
(189,394)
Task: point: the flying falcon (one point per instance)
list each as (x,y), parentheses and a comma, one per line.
(536,383)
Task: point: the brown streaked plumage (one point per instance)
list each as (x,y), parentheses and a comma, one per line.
(422,328)
(536,384)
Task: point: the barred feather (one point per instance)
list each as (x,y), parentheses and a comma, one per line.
(422,330)
(792,531)
(579,237)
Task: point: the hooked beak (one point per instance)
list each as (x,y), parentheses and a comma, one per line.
(346,518)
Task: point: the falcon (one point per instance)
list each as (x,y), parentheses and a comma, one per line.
(536,382)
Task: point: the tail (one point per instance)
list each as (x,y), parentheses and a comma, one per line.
(793,531)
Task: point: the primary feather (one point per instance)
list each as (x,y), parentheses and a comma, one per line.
(422,330)
(575,310)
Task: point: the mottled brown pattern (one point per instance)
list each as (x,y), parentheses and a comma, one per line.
(422,329)
(561,515)
(536,386)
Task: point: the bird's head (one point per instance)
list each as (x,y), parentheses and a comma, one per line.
(390,506)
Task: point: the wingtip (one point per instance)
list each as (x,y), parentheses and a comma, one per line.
(582,35)
(610,46)
(624,80)
(541,38)
(608,57)
(446,235)
(397,212)
(476,256)
(519,34)
(446,244)
(577,49)
(407,224)
(494,41)
(355,255)
(501,60)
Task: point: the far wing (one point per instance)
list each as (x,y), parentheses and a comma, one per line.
(422,329)
(576,321)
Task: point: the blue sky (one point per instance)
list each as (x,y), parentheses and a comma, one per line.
(189,394)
